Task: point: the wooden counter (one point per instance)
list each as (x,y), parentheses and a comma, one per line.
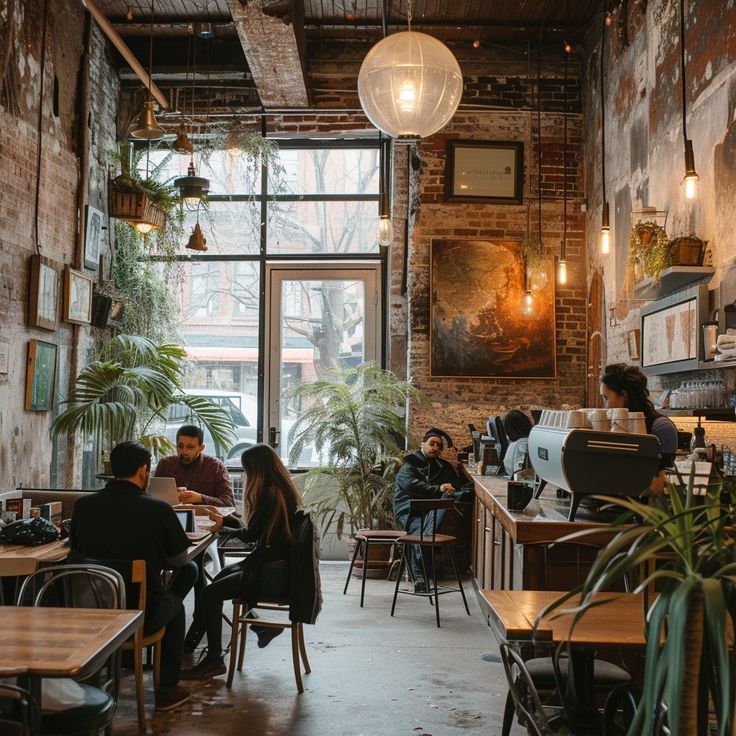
(513,549)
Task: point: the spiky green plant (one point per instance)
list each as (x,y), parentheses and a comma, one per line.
(356,420)
(125,392)
(691,548)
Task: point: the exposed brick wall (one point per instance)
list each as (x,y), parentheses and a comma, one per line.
(24,440)
(644,141)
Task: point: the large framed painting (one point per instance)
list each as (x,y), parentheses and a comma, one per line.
(40,375)
(478,327)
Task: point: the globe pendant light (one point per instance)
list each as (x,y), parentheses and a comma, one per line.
(410,85)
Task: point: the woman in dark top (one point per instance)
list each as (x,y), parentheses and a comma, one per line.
(625,386)
(270,501)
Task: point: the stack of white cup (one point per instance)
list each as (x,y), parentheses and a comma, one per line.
(619,420)
(599,421)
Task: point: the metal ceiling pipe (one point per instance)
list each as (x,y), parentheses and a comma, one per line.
(128,55)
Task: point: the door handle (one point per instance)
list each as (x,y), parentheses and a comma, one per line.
(273,436)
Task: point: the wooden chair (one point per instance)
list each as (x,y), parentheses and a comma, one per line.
(134,574)
(81,586)
(242,619)
(422,508)
(363,539)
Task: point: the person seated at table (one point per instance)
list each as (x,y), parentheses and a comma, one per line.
(200,479)
(517,426)
(625,386)
(270,501)
(424,475)
(122,522)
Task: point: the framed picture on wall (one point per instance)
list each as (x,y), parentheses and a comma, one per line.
(77,297)
(632,344)
(4,356)
(484,171)
(92,237)
(40,375)
(478,327)
(43,294)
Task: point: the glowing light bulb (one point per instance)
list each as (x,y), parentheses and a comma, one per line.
(691,185)
(609,19)
(407,96)
(192,201)
(144,227)
(562,272)
(605,240)
(385,231)
(527,305)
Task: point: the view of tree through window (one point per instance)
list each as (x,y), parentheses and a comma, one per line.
(321,202)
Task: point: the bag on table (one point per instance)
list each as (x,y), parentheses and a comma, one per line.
(29,532)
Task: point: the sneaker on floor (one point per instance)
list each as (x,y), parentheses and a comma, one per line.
(208,667)
(266,634)
(170,699)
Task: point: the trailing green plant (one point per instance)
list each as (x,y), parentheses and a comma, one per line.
(150,309)
(691,549)
(124,393)
(355,418)
(650,247)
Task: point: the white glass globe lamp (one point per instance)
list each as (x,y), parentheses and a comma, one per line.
(410,85)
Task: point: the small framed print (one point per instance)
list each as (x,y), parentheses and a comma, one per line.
(4,356)
(484,171)
(43,295)
(632,344)
(40,375)
(77,297)
(92,237)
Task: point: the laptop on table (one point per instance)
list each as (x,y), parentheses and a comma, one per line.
(164,488)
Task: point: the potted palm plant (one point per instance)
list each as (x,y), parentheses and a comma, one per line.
(125,392)
(355,419)
(691,548)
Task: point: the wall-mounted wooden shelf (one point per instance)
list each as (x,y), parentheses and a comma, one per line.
(672,279)
(720,414)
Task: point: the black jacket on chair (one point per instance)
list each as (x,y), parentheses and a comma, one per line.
(305,586)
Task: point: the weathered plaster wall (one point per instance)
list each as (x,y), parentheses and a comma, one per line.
(54,140)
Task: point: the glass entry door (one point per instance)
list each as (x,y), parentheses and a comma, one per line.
(316,319)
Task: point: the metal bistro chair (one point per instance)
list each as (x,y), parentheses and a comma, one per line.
(19,712)
(80,586)
(422,508)
(363,540)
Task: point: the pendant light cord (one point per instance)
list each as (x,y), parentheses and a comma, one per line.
(409,13)
(150,54)
(564,168)
(539,138)
(682,70)
(40,126)
(603,111)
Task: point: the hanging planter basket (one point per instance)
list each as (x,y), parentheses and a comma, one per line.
(134,207)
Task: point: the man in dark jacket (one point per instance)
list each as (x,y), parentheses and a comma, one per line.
(424,474)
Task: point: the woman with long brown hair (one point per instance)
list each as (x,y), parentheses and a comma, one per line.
(270,501)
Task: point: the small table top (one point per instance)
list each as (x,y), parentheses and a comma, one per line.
(61,642)
(26,559)
(620,622)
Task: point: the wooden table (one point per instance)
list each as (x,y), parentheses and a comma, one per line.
(619,623)
(60,642)
(18,559)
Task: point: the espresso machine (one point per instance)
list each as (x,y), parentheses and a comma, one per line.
(567,452)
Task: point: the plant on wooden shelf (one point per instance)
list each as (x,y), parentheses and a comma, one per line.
(124,393)
(354,418)
(650,251)
(690,548)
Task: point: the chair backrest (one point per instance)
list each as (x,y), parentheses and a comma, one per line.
(422,507)
(133,572)
(305,585)
(73,586)
(495,429)
(524,693)
(19,710)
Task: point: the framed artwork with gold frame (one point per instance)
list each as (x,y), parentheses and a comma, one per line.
(43,294)
(77,297)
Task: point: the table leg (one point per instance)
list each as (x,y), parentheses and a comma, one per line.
(579,693)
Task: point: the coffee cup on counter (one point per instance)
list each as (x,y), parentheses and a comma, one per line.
(518,495)
(576,419)
(637,423)
(599,420)
(619,420)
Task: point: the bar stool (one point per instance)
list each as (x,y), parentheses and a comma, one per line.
(363,539)
(422,508)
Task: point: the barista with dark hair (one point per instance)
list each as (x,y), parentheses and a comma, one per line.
(517,426)
(625,386)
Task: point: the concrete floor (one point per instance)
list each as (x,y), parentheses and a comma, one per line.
(372,675)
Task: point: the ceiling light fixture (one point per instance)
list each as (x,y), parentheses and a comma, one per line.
(562,265)
(385,227)
(192,187)
(605,214)
(204,30)
(410,84)
(183,143)
(197,241)
(690,181)
(147,127)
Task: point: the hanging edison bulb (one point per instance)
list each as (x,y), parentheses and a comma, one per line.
(385,230)
(527,304)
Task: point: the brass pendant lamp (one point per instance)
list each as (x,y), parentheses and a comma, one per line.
(147,128)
